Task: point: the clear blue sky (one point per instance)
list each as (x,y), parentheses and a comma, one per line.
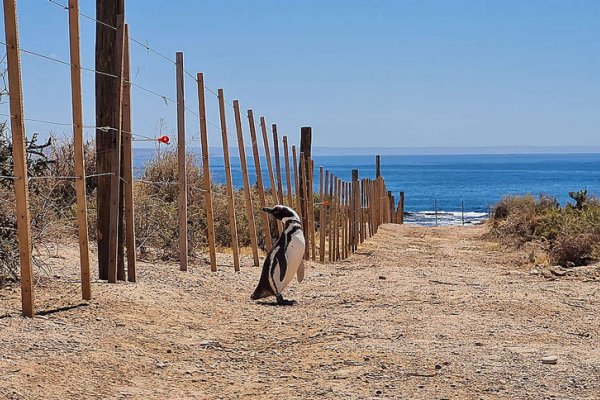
(361,73)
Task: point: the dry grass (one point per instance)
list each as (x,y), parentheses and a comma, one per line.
(570,234)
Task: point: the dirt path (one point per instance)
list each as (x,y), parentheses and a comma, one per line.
(419,313)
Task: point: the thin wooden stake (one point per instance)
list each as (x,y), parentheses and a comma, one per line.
(230,200)
(277,165)
(331,213)
(263,126)
(115,195)
(297,203)
(305,207)
(247,193)
(181,158)
(17,127)
(78,163)
(128,166)
(311,205)
(288,178)
(322,215)
(259,182)
(206,173)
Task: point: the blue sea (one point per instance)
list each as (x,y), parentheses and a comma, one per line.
(444,183)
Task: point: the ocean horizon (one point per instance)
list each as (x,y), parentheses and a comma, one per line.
(438,186)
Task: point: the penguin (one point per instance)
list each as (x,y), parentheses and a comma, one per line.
(285,258)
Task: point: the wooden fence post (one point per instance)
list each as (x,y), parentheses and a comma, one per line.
(305,147)
(263,126)
(377,166)
(247,193)
(108,111)
(322,214)
(128,166)
(355,208)
(330,218)
(115,179)
(297,203)
(230,200)
(17,127)
(401,208)
(311,206)
(277,165)
(181,159)
(338,219)
(288,177)
(304,205)
(78,163)
(206,173)
(259,182)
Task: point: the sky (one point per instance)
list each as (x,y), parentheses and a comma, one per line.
(381,73)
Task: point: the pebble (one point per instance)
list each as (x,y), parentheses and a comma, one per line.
(382,277)
(550,360)
(160,364)
(558,272)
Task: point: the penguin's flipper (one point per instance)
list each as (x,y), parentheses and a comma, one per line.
(300,272)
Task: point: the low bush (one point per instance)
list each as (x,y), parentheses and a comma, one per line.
(571,233)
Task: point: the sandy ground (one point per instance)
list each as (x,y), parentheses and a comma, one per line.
(418,313)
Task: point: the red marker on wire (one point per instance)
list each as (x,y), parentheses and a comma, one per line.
(164,139)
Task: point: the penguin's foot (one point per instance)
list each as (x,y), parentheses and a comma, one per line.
(282,302)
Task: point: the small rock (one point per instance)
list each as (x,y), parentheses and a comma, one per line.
(534,272)
(169,351)
(558,272)
(382,277)
(550,360)
(478,344)
(120,324)
(160,364)
(438,366)
(378,392)
(98,318)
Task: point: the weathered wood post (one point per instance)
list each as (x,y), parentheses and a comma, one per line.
(229,182)
(277,164)
(331,216)
(247,193)
(259,182)
(304,205)
(206,173)
(115,223)
(401,207)
(78,163)
(322,214)
(306,149)
(288,177)
(108,113)
(181,160)
(17,127)
(128,166)
(377,166)
(297,203)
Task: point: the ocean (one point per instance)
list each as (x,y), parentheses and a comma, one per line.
(444,183)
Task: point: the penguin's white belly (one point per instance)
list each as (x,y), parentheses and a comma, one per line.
(294,254)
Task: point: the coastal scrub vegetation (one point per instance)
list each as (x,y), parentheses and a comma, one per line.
(570,234)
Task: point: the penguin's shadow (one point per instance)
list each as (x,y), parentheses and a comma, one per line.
(274,304)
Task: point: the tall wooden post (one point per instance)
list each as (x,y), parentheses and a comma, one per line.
(331,213)
(305,147)
(206,173)
(401,208)
(297,203)
(78,163)
(304,206)
(181,158)
(377,166)
(247,193)
(322,186)
(108,113)
(127,182)
(311,207)
(263,126)
(259,182)
(288,178)
(115,222)
(17,127)
(277,165)
(230,201)
(354,208)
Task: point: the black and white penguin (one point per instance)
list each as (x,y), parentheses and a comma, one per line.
(285,258)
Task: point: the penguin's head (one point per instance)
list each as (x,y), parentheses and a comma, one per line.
(282,212)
